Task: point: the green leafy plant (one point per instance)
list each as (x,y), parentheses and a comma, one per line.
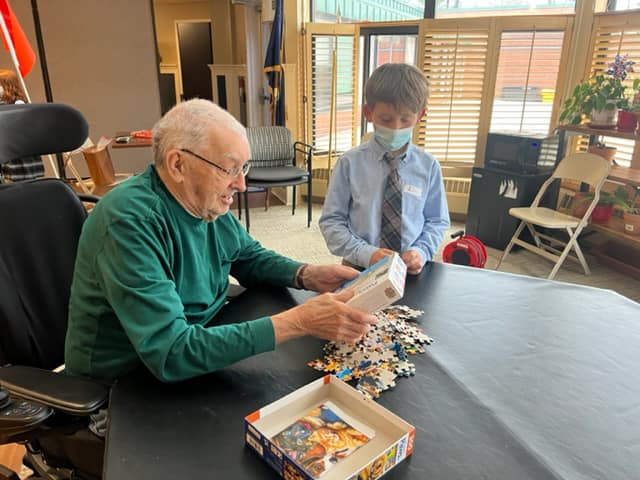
(618,198)
(631,101)
(631,204)
(598,92)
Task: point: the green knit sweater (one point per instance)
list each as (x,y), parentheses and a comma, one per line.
(148,279)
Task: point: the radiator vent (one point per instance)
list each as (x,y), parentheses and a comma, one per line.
(457,190)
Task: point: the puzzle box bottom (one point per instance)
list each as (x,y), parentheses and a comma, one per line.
(391,443)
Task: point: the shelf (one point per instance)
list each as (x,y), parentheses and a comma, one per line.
(619,257)
(607,132)
(630,176)
(615,228)
(627,175)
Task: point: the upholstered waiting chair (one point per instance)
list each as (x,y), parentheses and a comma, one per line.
(273,164)
(583,167)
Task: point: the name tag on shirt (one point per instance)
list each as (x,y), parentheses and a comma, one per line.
(413,190)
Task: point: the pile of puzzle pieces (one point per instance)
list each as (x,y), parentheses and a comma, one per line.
(381,356)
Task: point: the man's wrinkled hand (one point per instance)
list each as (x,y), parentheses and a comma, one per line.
(326,316)
(326,278)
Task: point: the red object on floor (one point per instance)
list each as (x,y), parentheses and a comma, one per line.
(465,250)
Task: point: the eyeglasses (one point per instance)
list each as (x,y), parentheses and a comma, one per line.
(229,172)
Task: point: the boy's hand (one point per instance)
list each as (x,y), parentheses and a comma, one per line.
(379,255)
(413,260)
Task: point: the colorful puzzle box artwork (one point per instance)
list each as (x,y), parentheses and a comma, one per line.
(327,430)
(321,438)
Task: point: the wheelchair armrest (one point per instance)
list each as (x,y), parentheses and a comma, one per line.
(65,393)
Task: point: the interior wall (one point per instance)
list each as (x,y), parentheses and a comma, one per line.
(222,26)
(101,58)
(166,14)
(239,34)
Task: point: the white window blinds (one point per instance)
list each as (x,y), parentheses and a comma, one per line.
(528,65)
(454,60)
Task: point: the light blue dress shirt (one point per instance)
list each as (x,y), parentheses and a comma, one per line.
(350,221)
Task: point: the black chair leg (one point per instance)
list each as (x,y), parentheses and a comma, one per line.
(246,208)
(309,204)
(293,203)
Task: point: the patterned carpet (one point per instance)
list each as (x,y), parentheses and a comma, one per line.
(277,229)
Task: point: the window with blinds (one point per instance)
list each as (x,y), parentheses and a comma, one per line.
(367,10)
(323,50)
(528,65)
(611,39)
(454,61)
(624,5)
(475,8)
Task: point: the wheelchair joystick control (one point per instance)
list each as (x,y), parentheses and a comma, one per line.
(4,398)
(18,414)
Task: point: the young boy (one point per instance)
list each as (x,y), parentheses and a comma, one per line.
(387,194)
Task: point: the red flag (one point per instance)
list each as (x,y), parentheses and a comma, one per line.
(24,52)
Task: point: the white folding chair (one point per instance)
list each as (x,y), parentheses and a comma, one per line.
(583,167)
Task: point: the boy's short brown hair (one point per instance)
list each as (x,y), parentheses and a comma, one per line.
(399,84)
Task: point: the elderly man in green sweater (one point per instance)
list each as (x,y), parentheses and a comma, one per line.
(154,258)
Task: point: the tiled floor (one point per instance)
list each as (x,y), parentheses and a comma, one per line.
(279,230)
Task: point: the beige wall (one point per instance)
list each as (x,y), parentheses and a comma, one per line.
(102,60)
(166,14)
(239,34)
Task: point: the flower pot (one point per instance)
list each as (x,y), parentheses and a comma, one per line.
(631,223)
(605,118)
(627,121)
(580,205)
(601,214)
(606,152)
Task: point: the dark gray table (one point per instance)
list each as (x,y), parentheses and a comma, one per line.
(527,379)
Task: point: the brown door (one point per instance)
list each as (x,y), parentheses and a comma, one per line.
(195,49)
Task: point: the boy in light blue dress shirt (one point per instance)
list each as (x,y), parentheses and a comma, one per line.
(353,217)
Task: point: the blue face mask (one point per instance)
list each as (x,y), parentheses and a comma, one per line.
(391,139)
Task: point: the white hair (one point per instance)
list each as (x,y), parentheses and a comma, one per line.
(188,125)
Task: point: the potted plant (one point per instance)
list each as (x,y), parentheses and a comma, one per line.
(598,97)
(629,109)
(604,208)
(628,117)
(631,215)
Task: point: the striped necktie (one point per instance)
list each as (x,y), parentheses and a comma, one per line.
(391,224)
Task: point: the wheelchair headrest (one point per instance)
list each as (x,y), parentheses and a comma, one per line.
(39,129)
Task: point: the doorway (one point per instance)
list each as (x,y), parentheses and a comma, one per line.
(195,54)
